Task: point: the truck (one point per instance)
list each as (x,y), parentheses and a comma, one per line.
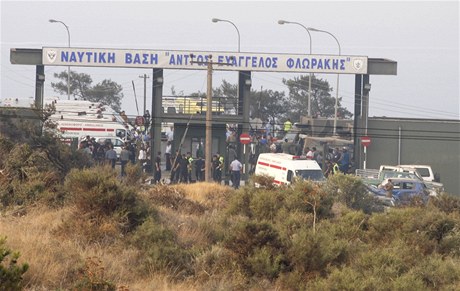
(283,168)
(425,172)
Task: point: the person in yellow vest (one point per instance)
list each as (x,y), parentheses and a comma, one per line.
(335,168)
(287,125)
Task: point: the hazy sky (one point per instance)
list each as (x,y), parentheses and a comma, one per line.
(423,37)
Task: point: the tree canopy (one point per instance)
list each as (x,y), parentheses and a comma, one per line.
(107,92)
(322,103)
(276,107)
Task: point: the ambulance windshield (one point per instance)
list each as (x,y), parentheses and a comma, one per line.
(314,175)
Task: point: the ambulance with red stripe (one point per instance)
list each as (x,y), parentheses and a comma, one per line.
(78,128)
(284,168)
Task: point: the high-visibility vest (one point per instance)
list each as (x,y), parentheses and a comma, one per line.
(287,125)
(335,168)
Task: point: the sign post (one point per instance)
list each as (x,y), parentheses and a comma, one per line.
(244,139)
(365,141)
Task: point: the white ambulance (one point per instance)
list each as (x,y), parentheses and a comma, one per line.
(284,167)
(77,128)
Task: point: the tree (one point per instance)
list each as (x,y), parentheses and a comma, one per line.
(322,103)
(107,92)
(268,104)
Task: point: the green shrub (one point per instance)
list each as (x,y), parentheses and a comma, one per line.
(161,251)
(446,203)
(311,252)
(438,273)
(213,262)
(266,263)
(293,280)
(239,203)
(10,272)
(258,249)
(289,222)
(304,194)
(264,204)
(98,192)
(351,191)
(246,236)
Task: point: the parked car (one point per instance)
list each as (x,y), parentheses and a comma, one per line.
(405,191)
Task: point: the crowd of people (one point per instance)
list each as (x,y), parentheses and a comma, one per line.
(103,152)
(183,167)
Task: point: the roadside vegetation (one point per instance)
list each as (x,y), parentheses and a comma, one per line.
(66,225)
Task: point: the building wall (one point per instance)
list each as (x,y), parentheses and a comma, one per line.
(417,141)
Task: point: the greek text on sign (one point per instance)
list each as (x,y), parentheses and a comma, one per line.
(170,59)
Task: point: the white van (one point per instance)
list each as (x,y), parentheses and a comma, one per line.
(77,128)
(284,167)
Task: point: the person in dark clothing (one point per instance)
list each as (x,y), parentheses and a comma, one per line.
(132,155)
(183,166)
(175,171)
(199,169)
(146,118)
(216,169)
(158,168)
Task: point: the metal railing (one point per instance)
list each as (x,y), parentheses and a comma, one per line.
(197,105)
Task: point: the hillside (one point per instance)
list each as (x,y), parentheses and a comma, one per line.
(81,227)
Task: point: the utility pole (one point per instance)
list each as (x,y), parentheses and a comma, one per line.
(208,144)
(145,90)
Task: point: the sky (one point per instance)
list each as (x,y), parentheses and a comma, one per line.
(421,36)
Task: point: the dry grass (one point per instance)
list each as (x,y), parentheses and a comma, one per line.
(54,262)
(210,195)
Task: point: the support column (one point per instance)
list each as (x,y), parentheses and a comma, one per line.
(157,115)
(364,113)
(39,86)
(244,90)
(357,117)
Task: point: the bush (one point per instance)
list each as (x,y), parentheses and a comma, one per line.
(160,250)
(304,194)
(446,203)
(351,191)
(34,171)
(311,252)
(10,272)
(98,193)
(239,203)
(263,181)
(92,277)
(264,204)
(105,208)
(258,249)
(213,262)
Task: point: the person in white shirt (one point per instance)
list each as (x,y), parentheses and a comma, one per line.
(168,156)
(170,134)
(236,168)
(142,156)
(310,155)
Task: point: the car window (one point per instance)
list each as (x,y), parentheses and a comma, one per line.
(118,143)
(424,172)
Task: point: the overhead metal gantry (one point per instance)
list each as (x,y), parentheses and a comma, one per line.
(245,63)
